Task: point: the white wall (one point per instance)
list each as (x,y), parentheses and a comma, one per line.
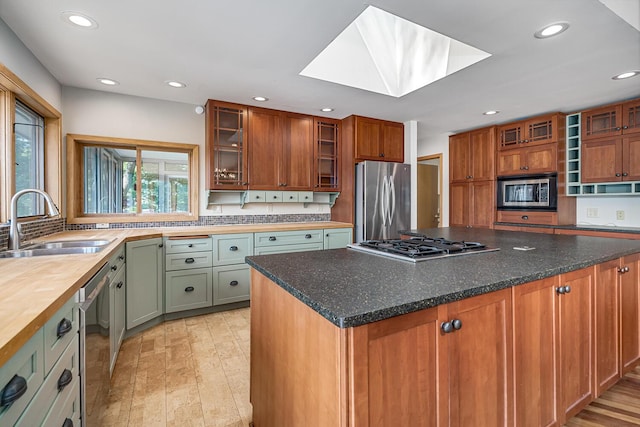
(438,144)
(99,113)
(606,208)
(20,61)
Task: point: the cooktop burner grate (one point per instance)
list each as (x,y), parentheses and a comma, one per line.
(420,248)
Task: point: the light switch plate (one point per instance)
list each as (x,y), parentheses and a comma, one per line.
(620,215)
(102,225)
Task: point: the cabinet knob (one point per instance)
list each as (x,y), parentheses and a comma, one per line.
(233,248)
(446,327)
(307,236)
(189,289)
(625,174)
(526,168)
(525,217)
(120,284)
(190,245)
(121,257)
(114,267)
(560,290)
(381,155)
(245,183)
(618,174)
(233,283)
(160,245)
(625,127)
(567,289)
(617,128)
(457,324)
(272,238)
(623,270)
(189,261)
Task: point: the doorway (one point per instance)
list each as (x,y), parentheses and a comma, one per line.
(429,191)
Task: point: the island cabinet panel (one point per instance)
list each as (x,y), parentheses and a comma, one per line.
(575,341)
(629,312)
(535,353)
(479,358)
(607,326)
(394,364)
(297,375)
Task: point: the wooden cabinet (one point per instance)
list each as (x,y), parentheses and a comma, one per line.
(534,131)
(530,160)
(629,312)
(575,341)
(226,146)
(472,179)
(611,120)
(611,159)
(535,352)
(326,157)
(528,217)
(281,150)
(378,140)
(144,281)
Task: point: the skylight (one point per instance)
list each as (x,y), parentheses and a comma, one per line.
(384,53)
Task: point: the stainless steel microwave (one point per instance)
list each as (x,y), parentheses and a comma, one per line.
(536,192)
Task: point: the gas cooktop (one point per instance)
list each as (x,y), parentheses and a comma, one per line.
(420,248)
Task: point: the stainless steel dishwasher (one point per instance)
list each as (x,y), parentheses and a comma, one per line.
(94,347)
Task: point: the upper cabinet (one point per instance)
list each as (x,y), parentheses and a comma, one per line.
(535,131)
(472,155)
(326,154)
(226,145)
(611,120)
(378,140)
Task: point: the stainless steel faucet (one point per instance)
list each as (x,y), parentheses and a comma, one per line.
(14,233)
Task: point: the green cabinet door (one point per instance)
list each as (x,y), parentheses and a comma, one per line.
(337,238)
(144,280)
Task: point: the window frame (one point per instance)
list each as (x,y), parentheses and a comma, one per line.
(75,179)
(12,88)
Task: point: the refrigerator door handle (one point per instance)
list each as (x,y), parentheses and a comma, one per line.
(384,200)
(392,196)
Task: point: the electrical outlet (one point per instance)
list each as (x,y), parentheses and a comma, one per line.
(620,215)
(592,212)
(102,225)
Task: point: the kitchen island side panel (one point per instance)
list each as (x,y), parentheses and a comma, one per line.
(297,371)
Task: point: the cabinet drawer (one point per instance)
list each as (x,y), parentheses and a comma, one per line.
(188,260)
(278,238)
(305,196)
(254,196)
(232,248)
(116,263)
(525,217)
(50,397)
(188,289)
(302,247)
(176,246)
(273,196)
(290,196)
(59,331)
(66,408)
(231,284)
(26,363)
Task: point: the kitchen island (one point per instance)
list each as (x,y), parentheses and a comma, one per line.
(499,338)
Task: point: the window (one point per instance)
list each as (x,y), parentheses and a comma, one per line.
(127,180)
(29,158)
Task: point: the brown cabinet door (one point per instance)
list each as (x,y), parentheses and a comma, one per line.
(631,117)
(541,159)
(296,167)
(394,371)
(326,154)
(482,147)
(482,204)
(459,158)
(542,130)
(601,160)
(510,135)
(631,158)
(630,312)
(393,142)
(575,341)
(602,122)
(459,204)
(479,357)
(534,325)
(265,154)
(368,144)
(607,358)
(510,162)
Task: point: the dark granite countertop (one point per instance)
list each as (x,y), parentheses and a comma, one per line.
(589,227)
(350,288)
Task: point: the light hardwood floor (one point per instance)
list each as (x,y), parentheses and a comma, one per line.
(195,372)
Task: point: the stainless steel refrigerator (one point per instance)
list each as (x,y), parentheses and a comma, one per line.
(383,200)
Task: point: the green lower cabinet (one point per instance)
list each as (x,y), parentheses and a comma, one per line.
(337,238)
(231,283)
(144,279)
(188,289)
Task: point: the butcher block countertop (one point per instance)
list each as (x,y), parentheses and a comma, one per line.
(33,289)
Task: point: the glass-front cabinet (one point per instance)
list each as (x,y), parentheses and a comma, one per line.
(226,144)
(326,153)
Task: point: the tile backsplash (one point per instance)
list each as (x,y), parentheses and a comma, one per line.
(32,230)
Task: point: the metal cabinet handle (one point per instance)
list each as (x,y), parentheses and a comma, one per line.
(457,324)
(120,284)
(275,197)
(233,248)
(233,283)
(63,327)
(189,289)
(525,217)
(14,389)
(617,128)
(526,168)
(560,290)
(121,257)
(114,267)
(189,260)
(625,174)
(623,270)
(257,197)
(381,155)
(626,269)
(446,327)
(291,197)
(161,245)
(307,236)
(272,238)
(625,127)
(563,290)
(618,174)
(65,379)
(567,289)
(68,422)
(190,245)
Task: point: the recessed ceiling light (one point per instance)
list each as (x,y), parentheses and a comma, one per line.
(175,83)
(551,30)
(327,110)
(78,19)
(108,82)
(491,112)
(260,98)
(626,75)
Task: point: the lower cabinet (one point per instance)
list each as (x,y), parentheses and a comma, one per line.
(472,204)
(231,283)
(337,238)
(118,315)
(145,278)
(188,289)
(629,312)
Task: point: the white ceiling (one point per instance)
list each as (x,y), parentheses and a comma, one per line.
(234,50)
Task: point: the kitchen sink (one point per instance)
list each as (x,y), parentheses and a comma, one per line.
(23,253)
(60,244)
